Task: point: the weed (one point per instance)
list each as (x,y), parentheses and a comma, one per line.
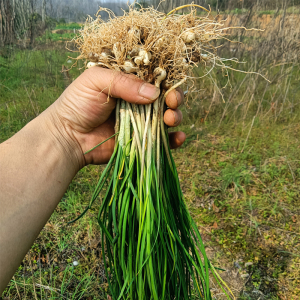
(235,177)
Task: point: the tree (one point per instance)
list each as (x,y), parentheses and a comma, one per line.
(44,13)
(20,20)
(7,16)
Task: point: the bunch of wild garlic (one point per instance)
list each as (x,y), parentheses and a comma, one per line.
(151,247)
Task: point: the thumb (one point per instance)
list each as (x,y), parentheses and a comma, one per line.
(120,85)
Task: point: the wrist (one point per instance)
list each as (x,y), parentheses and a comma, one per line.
(57,129)
(37,165)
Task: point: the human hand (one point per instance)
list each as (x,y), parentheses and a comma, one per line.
(85,110)
(44,156)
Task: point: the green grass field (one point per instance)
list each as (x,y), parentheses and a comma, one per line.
(240,179)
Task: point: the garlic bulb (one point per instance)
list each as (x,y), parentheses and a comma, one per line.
(160,75)
(129,67)
(91,64)
(161,42)
(143,58)
(188,36)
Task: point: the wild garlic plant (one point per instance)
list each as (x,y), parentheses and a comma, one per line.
(151,247)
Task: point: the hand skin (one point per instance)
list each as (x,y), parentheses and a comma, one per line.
(38,163)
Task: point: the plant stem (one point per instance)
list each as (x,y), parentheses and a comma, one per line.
(127,128)
(122,126)
(142,114)
(117,125)
(136,132)
(148,111)
(154,124)
(163,133)
(158,145)
(138,119)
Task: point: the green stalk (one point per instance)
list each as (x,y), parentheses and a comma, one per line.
(117,125)
(137,117)
(162,131)
(148,111)
(158,145)
(135,128)
(127,127)
(154,124)
(151,245)
(143,119)
(122,124)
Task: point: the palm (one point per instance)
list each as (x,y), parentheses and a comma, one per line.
(87,110)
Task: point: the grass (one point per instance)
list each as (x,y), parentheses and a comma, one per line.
(68,26)
(243,193)
(62,32)
(61,35)
(247,203)
(29,82)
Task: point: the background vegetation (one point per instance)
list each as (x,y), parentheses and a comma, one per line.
(239,168)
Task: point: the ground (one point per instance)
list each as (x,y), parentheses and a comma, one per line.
(247,205)
(240,179)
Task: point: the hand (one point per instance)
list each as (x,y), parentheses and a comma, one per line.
(44,156)
(85,110)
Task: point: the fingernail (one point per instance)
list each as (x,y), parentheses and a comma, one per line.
(176,118)
(149,91)
(178,97)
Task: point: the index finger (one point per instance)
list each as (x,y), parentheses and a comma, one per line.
(119,85)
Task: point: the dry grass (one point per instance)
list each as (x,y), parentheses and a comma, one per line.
(274,53)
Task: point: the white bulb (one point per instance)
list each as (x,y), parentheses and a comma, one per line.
(188,36)
(160,75)
(91,64)
(129,67)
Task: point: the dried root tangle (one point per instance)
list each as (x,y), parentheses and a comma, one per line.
(141,41)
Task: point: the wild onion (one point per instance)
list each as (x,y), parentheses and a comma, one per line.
(151,247)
